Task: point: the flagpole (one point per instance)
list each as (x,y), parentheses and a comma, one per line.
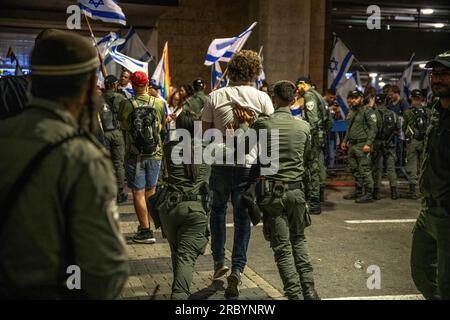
(102,65)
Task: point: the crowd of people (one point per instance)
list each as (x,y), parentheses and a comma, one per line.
(58,178)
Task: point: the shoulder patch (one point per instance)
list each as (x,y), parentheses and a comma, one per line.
(373,117)
(310,105)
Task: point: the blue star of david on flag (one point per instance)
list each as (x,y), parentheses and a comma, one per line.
(333,64)
(105,10)
(96,4)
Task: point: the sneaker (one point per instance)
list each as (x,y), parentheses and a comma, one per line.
(234,280)
(220,269)
(144,236)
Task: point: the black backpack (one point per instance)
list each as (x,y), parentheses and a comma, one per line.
(389,124)
(420,121)
(144,128)
(108,118)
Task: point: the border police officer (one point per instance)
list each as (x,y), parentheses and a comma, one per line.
(361,134)
(430,256)
(282,196)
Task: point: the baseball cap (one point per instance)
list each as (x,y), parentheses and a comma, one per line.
(416,93)
(356,93)
(139,79)
(154,85)
(442,59)
(304,79)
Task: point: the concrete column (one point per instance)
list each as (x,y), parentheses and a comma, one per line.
(293,35)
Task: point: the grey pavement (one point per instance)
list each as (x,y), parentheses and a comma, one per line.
(341,252)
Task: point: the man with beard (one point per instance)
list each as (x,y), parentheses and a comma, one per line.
(430,253)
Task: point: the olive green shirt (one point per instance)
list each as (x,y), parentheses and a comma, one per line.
(113,99)
(312,112)
(362,126)
(294,143)
(435,179)
(126,107)
(195,103)
(69,202)
(178,177)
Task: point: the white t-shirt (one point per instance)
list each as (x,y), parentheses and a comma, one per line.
(218,108)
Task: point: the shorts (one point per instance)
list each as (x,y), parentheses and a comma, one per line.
(147,177)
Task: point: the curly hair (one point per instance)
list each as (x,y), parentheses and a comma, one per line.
(245,66)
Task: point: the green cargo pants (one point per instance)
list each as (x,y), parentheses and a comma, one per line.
(316,169)
(360,166)
(186,229)
(379,155)
(284,224)
(430,253)
(115,144)
(414,151)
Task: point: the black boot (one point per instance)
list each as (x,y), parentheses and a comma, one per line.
(366,198)
(354,195)
(309,293)
(394,194)
(412,192)
(314,207)
(376,194)
(322,194)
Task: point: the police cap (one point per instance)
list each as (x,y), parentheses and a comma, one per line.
(416,93)
(198,84)
(442,59)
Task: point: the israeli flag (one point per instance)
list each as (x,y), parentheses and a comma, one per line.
(223,49)
(216,75)
(342,92)
(127,62)
(405,82)
(262,77)
(105,10)
(340,61)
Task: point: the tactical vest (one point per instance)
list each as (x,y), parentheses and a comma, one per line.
(420,121)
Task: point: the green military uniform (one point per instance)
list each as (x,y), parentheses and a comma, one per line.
(114,137)
(313,115)
(283,202)
(430,257)
(126,107)
(65,215)
(184,219)
(415,141)
(362,130)
(384,149)
(195,103)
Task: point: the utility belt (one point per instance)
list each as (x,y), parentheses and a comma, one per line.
(433,203)
(356,141)
(279,188)
(174,198)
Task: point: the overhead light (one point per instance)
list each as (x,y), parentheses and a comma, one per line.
(373,75)
(403,18)
(439,25)
(422,65)
(388,27)
(381,84)
(427,11)
(380,79)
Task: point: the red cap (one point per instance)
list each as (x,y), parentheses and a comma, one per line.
(139,79)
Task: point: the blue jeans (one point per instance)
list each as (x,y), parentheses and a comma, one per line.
(225,181)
